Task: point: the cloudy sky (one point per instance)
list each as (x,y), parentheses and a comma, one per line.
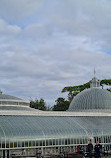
(46,45)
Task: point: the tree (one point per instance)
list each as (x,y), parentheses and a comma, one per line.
(38,104)
(74,90)
(61,105)
(41,105)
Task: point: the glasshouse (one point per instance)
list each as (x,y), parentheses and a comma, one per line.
(24,130)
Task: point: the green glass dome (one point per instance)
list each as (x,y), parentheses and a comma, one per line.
(91,99)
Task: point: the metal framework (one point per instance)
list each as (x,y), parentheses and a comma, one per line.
(21,127)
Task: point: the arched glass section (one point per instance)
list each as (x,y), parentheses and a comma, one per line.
(91,99)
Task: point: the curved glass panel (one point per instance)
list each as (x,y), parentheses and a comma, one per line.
(4,96)
(45,127)
(92,98)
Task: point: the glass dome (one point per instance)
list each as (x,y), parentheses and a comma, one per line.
(4,96)
(92,98)
(8,102)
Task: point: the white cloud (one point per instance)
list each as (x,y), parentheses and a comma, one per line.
(8,30)
(47,45)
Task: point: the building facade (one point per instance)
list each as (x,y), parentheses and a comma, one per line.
(24,130)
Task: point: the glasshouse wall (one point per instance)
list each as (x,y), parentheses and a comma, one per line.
(10,144)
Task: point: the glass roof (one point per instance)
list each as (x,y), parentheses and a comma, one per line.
(44,127)
(17,108)
(8,102)
(92,98)
(4,96)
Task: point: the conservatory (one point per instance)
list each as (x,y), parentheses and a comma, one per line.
(24,129)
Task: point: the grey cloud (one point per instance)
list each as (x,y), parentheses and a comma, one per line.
(17,10)
(85,18)
(41,79)
(60,49)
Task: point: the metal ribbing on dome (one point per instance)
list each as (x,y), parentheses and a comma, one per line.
(4,96)
(91,99)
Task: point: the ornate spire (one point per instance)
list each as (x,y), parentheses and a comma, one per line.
(94,82)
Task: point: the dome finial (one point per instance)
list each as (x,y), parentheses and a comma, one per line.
(94,82)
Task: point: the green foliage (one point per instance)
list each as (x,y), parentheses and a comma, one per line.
(61,105)
(38,104)
(109,90)
(74,90)
(106,82)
